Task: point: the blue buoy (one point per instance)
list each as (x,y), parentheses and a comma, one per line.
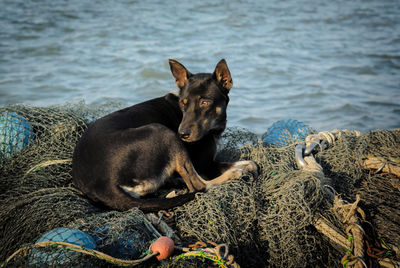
(53,257)
(284,132)
(15,133)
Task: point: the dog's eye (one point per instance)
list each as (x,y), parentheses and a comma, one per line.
(204,103)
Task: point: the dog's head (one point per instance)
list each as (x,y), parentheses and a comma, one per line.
(203,99)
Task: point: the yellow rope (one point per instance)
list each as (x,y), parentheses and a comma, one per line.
(83,250)
(348,215)
(47,163)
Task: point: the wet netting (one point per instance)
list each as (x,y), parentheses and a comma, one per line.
(327,200)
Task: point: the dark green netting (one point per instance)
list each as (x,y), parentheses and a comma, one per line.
(266,221)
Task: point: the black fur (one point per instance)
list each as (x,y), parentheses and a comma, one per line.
(143,145)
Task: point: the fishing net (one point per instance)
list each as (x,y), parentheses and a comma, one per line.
(379,192)
(267,221)
(36,145)
(272,220)
(287,217)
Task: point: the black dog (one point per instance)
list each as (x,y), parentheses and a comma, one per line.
(130,153)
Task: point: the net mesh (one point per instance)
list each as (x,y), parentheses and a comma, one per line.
(266,221)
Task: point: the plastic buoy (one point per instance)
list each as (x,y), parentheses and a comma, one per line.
(283,132)
(15,133)
(69,235)
(163,245)
(60,257)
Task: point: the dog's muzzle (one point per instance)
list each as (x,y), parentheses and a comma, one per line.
(184,133)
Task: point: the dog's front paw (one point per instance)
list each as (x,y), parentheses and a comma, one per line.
(236,172)
(247,167)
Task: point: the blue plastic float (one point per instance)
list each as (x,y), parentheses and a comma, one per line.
(45,258)
(284,132)
(15,133)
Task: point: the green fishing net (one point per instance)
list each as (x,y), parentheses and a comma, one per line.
(266,221)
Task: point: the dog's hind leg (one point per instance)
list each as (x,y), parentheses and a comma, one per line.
(123,201)
(163,154)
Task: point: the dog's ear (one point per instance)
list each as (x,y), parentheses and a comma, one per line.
(180,73)
(223,75)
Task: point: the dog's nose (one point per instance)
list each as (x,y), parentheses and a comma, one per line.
(184,133)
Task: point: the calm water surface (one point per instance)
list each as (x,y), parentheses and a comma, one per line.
(330,64)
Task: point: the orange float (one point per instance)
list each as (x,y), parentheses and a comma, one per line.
(164,246)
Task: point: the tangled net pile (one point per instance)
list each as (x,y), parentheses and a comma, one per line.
(279,219)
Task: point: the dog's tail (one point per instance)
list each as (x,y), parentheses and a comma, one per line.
(123,201)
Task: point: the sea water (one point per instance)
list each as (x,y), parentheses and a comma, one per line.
(329,64)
